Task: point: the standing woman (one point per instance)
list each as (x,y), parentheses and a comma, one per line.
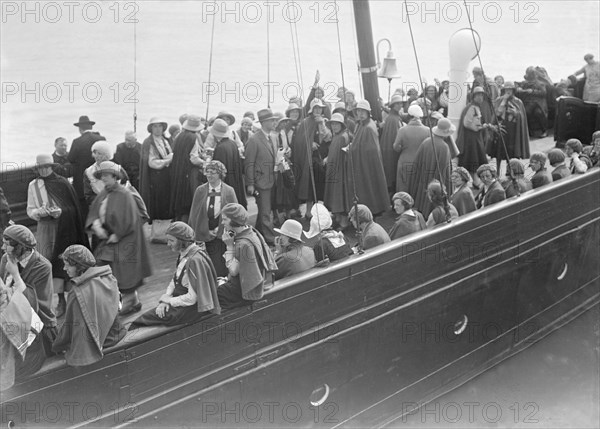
(205,215)
(114,219)
(591,71)
(52,202)
(407,143)
(155,182)
(338,195)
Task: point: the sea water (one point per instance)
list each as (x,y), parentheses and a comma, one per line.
(60,60)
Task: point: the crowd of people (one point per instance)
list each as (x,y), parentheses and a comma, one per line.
(332,167)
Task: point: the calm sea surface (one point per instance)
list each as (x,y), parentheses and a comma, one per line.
(59,61)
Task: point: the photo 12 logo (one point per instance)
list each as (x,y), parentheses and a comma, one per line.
(69,92)
(324,12)
(453,12)
(52,12)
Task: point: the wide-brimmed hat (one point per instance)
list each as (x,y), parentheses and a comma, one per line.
(317,102)
(77,254)
(44,160)
(183,118)
(265,115)
(181,231)
(282,119)
(21,234)
(157,120)
(396,98)
(219,128)
(336,117)
(415,111)
(444,128)
(509,85)
(84,120)
(103,147)
(364,105)
(108,167)
(340,105)
(291,228)
(292,106)
(478,90)
(192,123)
(223,115)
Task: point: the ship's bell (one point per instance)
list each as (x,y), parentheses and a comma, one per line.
(389,70)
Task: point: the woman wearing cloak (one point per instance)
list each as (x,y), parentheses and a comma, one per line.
(366,169)
(533,94)
(392,124)
(52,202)
(513,118)
(338,194)
(114,218)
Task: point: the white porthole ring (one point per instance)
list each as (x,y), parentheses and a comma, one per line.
(564,272)
(461,325)
(318,401)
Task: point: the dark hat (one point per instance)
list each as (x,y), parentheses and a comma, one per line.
(181,231)
(84,120)
(226,115)
(236,213)
(79,255)
(265,115)
(364,213)
(404,196)
(516,167)
(21,234)
(478,90)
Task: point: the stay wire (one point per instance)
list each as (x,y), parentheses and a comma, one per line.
(437,162)
(268,63)
(486,87)
(212,40)
(135,100)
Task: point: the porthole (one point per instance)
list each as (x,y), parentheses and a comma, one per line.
(319,395)
(460,325)
(563,273)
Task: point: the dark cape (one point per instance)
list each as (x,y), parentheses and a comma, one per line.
(407,224)
(80,157)
(70,222)
(180,172)
(338,194)
(227,152)
(512,116)
(463,200)
(155,185)
(431,162)
(304,158)
(366,169)
(129,258)
(470,144)
(388,154)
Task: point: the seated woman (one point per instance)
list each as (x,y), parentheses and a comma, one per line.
(537,163)
(557,158)
(292,256)
(523,183)
(248,259)
(438,215)
(492,191)
(462,197)
(409,220)
(91,321)
(577,162)
(373,234)
(21,351)
(593,151)
(192,291)
(324,240)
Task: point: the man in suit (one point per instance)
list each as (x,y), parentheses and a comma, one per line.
(259,168)
(81,158)
(205,214)
(492,191)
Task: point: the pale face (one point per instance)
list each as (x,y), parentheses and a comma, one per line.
(173,243)
(317,111)
(71,270)
(61,147)
(44,171)
(99,156)
(499,80)
(295,115)
(478,98)
(569,150)
(398,207)
(108,179)
(213,177)
(362,114)
(157,130)
(225,221)
(597,145)
(336,127)
(246,126)
(130,140)
(457,181)
(319,93)
(7,247)
(535,165)
(487,178)
(269,125)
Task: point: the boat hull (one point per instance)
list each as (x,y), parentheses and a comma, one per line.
(366,340)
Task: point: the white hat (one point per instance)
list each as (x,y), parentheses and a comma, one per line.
(291,228)
(415,111)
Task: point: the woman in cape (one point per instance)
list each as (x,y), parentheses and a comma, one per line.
(91,319)
(114,218)
(389,132)
(192,291)
(52,202)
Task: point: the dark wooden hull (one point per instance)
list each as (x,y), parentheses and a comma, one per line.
(381,330)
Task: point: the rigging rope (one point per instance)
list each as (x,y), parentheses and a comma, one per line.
(437,162)
(486,86)
(135,75)
(212,40)
(354,196)
(268,63)
(297,47)
(298,74)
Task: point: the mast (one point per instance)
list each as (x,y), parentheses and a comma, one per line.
(366,54)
